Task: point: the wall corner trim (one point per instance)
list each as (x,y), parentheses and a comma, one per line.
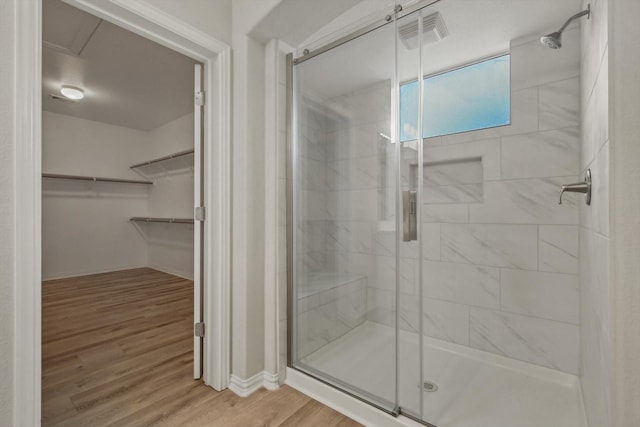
(271,381)
(27,188)
(244,388)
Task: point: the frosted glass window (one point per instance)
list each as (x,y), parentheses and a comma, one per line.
(469,98)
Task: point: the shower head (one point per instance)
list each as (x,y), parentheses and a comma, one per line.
(554,40)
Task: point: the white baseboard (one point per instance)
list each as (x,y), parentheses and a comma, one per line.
(271,381)
(244,388)
(173,272)
(350,406)
(69,275)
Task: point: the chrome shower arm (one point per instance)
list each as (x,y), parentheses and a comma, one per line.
(576,16)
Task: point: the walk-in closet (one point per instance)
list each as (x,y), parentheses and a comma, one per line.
(120,163)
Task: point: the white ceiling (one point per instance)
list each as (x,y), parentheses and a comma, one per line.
(128,80)
(477,29)
(293,20)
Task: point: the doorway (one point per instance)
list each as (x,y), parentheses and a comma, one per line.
(148,22)
(122,178)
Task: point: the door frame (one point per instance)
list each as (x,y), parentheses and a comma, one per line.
(154,24)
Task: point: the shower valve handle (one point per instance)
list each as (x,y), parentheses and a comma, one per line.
(409,215)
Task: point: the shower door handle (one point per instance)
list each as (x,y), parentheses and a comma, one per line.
(409,215)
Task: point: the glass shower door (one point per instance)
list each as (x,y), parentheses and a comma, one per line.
(427,237)
(408,39)
(345,224)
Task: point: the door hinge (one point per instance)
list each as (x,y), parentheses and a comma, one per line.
(200,213)
(198,329)
(200,98)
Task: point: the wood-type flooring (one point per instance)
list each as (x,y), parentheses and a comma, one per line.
(117,350)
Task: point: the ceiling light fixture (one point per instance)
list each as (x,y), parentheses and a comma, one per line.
(72,92)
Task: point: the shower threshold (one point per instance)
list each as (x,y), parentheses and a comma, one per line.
(474,388)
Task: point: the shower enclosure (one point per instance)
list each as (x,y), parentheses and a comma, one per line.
(432,273)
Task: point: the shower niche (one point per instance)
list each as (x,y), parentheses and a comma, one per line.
(482,305)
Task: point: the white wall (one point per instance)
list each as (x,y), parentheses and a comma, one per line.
(595,301)
(281,205)
(7,208)
(171,245)
(624,126)
(275,302)
(174,136)
(210,16)
(363,13)
(247,341)
(85,225)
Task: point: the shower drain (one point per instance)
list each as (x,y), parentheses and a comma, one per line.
(429,386)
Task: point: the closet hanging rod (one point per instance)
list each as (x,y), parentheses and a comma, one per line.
(162,159)
(95,179)
(167,220)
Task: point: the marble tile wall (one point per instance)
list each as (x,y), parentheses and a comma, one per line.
(360,237)
(337,306)
(595,372)
(505,279)
(338,205)
(347,208)
(314,210)
(453,182)
(500,257)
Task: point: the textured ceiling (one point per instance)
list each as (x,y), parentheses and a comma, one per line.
(128,80)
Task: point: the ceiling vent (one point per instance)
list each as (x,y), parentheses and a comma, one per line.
(433,30)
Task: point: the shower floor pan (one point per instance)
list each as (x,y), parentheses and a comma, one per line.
(474,388)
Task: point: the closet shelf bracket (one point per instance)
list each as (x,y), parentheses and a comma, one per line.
(162,159)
